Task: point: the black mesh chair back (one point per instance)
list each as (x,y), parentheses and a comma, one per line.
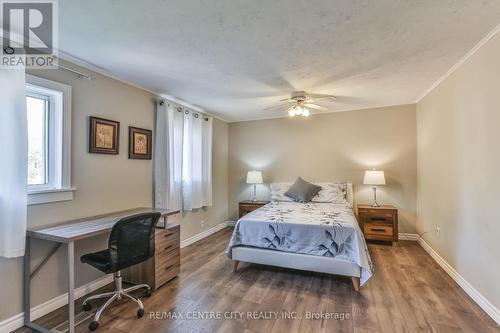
(132,240)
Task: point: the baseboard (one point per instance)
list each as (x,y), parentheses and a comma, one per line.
(203,234)
(230,223)
(41,310)
(410,237)
(486,305)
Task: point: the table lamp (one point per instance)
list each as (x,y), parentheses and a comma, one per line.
(374,178)
(254,177)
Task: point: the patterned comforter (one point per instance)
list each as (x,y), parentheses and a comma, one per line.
(321,229)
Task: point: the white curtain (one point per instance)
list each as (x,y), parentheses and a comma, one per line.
(183,158)
(192,169)
(207,160)
(13,167)
(168,158)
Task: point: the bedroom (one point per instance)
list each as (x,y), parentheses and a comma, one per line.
(184,111)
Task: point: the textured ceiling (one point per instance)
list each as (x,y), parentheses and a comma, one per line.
(233,58)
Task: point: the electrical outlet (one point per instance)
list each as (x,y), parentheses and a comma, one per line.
(438,231)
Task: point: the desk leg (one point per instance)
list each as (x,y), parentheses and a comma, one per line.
(71,287)
(27,283)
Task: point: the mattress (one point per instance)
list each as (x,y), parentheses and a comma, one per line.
(319,229)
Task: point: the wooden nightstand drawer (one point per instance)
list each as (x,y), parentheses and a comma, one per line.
(374,229)
(379,223)
(377,218)
(248,206)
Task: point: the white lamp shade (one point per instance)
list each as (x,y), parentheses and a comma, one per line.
(254,177)
(374,177)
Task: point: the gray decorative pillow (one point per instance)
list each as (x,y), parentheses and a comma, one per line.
(302,191)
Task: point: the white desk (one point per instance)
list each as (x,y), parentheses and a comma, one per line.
(67,233)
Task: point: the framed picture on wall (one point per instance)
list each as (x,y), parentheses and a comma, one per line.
(104,136)
(139,143)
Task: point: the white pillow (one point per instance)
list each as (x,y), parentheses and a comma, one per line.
(278,191)
(330,192)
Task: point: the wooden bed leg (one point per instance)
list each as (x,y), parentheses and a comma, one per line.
(355,282)
(235,265)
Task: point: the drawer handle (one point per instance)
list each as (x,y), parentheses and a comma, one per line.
(375,229)
(378,219)
(169,247)
(168,234)
(168,267)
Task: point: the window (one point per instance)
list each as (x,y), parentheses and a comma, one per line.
(48,107)
(37,108)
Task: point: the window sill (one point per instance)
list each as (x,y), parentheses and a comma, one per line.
(38,197)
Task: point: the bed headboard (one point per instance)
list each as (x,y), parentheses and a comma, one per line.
(350,194)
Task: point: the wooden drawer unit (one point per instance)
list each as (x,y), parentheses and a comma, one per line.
(166,263)
(379,223)
(247,206)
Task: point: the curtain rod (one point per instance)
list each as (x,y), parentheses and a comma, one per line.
(79,74)
(180,106)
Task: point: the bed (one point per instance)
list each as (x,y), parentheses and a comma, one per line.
(321,236)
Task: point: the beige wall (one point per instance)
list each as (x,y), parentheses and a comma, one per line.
(458,165)
(105,183)
(330,147)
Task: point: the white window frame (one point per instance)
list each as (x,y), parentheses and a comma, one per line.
(59,186)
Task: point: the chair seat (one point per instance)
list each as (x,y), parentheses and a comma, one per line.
(100,260)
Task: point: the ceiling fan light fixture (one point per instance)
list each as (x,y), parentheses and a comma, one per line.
(298,110)
(301,104)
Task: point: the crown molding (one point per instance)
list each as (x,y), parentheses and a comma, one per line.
(319,113)
(466,57)
(89,66)
(17,38)
(84,64)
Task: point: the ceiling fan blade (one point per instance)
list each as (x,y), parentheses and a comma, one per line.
(287,100)
(319,97)
(276,107)
(316,107)
(311,95)
(322,99)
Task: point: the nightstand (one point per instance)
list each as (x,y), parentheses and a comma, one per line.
(379,223)
(247,206)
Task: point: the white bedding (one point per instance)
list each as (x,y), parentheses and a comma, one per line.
(320,229)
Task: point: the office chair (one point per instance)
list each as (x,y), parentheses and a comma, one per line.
(132,241)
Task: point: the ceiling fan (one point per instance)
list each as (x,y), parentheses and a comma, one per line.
(300,103)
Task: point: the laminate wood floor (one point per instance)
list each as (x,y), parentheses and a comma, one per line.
(409,292)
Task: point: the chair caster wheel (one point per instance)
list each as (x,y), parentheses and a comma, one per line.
(93,325)
(149,292)
(87,306)
(140,313)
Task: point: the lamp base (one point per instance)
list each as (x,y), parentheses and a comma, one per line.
(375,203)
